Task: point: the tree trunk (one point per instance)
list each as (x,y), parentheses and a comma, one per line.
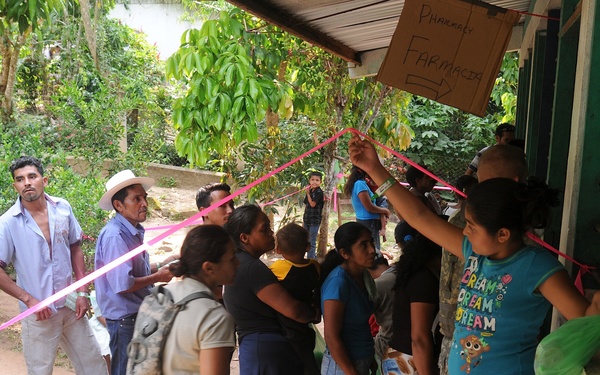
(10,57)
(4,48)
(329,158)
(330,181)
(90,34)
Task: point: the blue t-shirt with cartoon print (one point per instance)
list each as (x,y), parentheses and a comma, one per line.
(500,312)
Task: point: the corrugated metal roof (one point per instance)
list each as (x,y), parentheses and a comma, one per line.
(347,28)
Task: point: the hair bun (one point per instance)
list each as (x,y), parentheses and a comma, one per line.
(538,199)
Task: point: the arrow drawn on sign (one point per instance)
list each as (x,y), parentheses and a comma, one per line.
(440,89)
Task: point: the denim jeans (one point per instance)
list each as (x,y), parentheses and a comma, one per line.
(313,232)
(121,333)
(329,367)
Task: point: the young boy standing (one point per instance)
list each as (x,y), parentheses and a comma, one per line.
(313,202)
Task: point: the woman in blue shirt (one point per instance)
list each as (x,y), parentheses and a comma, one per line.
(347,302)
(367,212)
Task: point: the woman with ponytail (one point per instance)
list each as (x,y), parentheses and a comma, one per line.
(202,337)
(507,287)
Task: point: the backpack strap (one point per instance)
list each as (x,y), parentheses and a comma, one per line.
(160,289)
(194,296)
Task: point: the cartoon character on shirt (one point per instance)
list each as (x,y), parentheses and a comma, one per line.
(472,353)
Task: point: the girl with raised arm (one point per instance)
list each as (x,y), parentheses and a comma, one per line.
(507,287)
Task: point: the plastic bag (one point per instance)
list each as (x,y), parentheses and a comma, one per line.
(320,345)
(568,349)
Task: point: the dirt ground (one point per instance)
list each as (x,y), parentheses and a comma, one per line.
(171,206)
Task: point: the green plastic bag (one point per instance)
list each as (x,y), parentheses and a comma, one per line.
(568,349)
(320,345)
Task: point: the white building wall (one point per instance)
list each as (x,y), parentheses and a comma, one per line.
(160,22)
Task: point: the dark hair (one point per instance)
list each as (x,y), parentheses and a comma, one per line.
(204,243)
(413,174)
(292,239)
(504,128)
(503,203)
(345,236)
(404,233)
(517,142)
(242,220)
(203,194)
(355,175)
(416,253)
(316,174)
(465,183)
(121,195)
(25,161)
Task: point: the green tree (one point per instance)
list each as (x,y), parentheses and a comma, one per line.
(18,19)
(325,93)
(231,83)
(244,79)
(242,76)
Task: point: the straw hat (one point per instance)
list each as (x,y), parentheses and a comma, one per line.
(119,181)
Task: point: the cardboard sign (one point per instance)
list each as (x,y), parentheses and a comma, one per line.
(449,51)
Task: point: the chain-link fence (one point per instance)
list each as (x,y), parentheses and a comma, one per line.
(448,168)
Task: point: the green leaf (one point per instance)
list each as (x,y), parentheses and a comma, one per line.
(237,105)
(212,103)
(252,133)
(205,63)
(189,63)
(241,89)
(171,67)
(225,104)
(32,10)
(253,85)
(229,75)
(198,62)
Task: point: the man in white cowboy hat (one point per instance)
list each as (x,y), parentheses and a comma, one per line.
(41,237)
(121,290)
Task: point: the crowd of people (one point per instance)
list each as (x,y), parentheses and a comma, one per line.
(467,295)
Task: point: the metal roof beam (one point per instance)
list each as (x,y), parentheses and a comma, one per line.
(297,27)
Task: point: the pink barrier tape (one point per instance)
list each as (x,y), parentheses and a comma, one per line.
(408,161)
(171,226)
(285,196)
(189,221)
(335,199)
(583,268)
(193,219)
(74,286)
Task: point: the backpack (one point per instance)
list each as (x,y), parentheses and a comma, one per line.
(152,326)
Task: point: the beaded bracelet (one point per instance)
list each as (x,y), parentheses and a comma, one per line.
(83,294)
